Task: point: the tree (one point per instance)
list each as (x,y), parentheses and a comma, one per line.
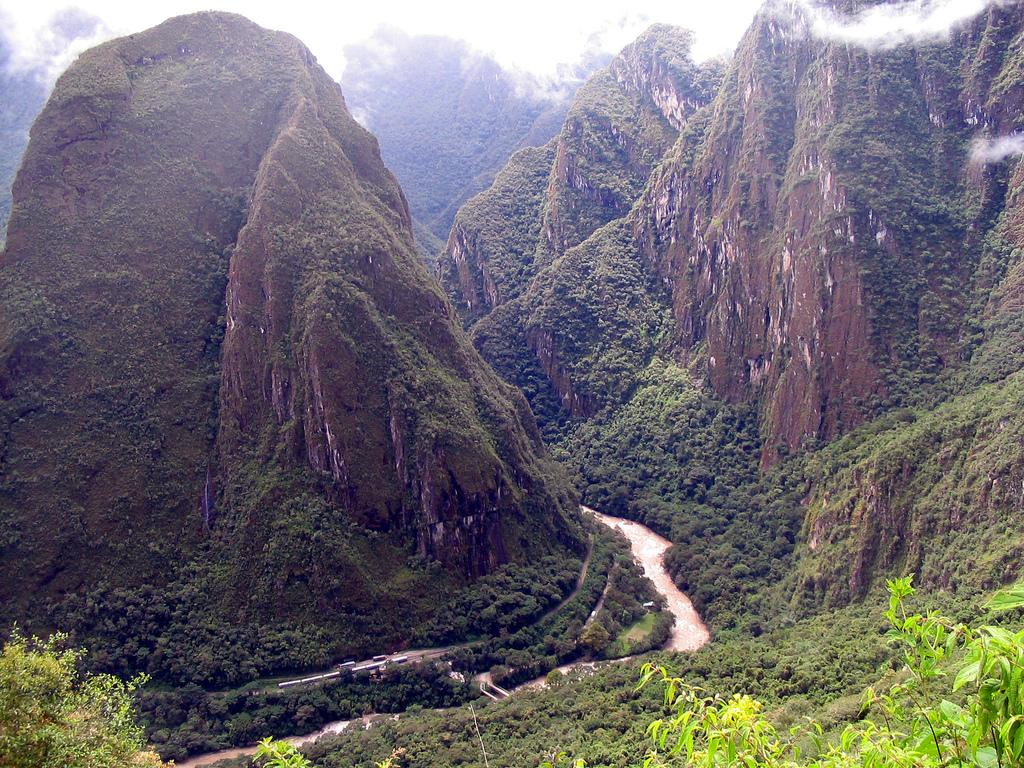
(281,754)
(595,637)
(53,717)
(910,724)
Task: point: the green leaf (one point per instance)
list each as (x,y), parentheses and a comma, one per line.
(986,757)
(950,711)
(1018,744)
(967,674)
(1007,599)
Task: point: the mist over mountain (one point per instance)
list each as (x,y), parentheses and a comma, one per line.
(448,117)
(25,85)
(24,94)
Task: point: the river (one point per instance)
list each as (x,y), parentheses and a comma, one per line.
(688,634)
(328,730)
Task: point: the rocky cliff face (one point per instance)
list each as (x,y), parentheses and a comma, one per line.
(581,315)
(217,338)
(490,255)
(811,237)
(936,490)
(620,124)
(822,242)
(809,223)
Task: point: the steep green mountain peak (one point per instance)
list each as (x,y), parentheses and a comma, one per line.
(227,379)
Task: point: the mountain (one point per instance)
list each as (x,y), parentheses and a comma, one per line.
(620,124)
(449,117)
(771,310)
(769,306)
(233,404)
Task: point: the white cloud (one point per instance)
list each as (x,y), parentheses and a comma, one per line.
(536,36)
(47,49)
(890,24)
(996,149)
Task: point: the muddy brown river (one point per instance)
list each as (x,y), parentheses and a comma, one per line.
(688,634)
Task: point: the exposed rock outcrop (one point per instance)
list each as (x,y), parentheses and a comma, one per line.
(579,295)
(822,242)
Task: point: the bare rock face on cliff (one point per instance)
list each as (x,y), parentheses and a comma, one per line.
(218,342)
(807,225)
(822,243)
(813,245)
(558,299)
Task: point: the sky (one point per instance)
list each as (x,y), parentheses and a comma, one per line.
(530,35)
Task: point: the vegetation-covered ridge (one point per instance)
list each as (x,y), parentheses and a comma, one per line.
(853,687)
(793,351)
(908,721)
(515,633)
(230,393)
(575,320)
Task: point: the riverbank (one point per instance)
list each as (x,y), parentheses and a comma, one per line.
(688,633)
(331,729)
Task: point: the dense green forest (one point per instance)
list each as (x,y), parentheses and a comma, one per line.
(906,685)
(170,633)
(770,307)
(684,463)
(815,667)
(215,686)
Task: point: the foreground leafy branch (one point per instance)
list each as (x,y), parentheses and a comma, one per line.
(51,716)
(909,724)
(906,726)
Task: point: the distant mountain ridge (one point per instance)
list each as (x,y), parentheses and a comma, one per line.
(24,95)
(25,87)
(449,117)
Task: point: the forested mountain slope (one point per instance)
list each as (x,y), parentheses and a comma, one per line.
(811,246)
(230,393)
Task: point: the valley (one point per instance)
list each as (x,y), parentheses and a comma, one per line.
(445,414)
(688,634)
